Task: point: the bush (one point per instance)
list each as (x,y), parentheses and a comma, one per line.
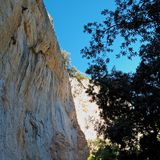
(76,74)
(102,150)
(66,58)
(72,71)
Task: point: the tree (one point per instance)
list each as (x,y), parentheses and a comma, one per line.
(66,59)
(129,103)
(102,150)
(72,71)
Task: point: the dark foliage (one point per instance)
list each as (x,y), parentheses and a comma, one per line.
(130,103)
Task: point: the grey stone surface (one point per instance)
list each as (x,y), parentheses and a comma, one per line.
(37,113)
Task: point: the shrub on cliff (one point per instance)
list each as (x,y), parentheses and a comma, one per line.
(66,58)
(72,71)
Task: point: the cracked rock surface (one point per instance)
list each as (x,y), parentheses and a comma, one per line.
(37,114)
(88,112)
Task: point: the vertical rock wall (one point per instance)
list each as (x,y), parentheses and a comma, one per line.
(37,114)
(88,113)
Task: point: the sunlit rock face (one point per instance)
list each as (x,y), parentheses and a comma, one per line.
(37,113)
(88,113)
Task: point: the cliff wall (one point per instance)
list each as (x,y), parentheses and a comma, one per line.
(88,113)
(37,113)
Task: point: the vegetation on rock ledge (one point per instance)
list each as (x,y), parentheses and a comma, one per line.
(72,71)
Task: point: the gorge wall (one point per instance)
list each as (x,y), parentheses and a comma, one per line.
(37,113)
(88,113)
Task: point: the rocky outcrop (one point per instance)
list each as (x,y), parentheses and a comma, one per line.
(37,114)
(88,113)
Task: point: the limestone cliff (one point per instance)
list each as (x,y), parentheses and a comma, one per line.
(37,114)
(88,113)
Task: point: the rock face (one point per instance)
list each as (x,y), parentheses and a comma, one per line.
(37,113)
(87,111)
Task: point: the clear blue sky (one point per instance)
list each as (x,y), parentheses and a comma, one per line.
(69,17)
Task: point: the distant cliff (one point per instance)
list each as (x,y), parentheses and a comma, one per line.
(87,111)
(37,113)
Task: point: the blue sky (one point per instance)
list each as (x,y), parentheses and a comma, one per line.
(69,17)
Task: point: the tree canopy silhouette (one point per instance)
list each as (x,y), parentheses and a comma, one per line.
(129,102)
